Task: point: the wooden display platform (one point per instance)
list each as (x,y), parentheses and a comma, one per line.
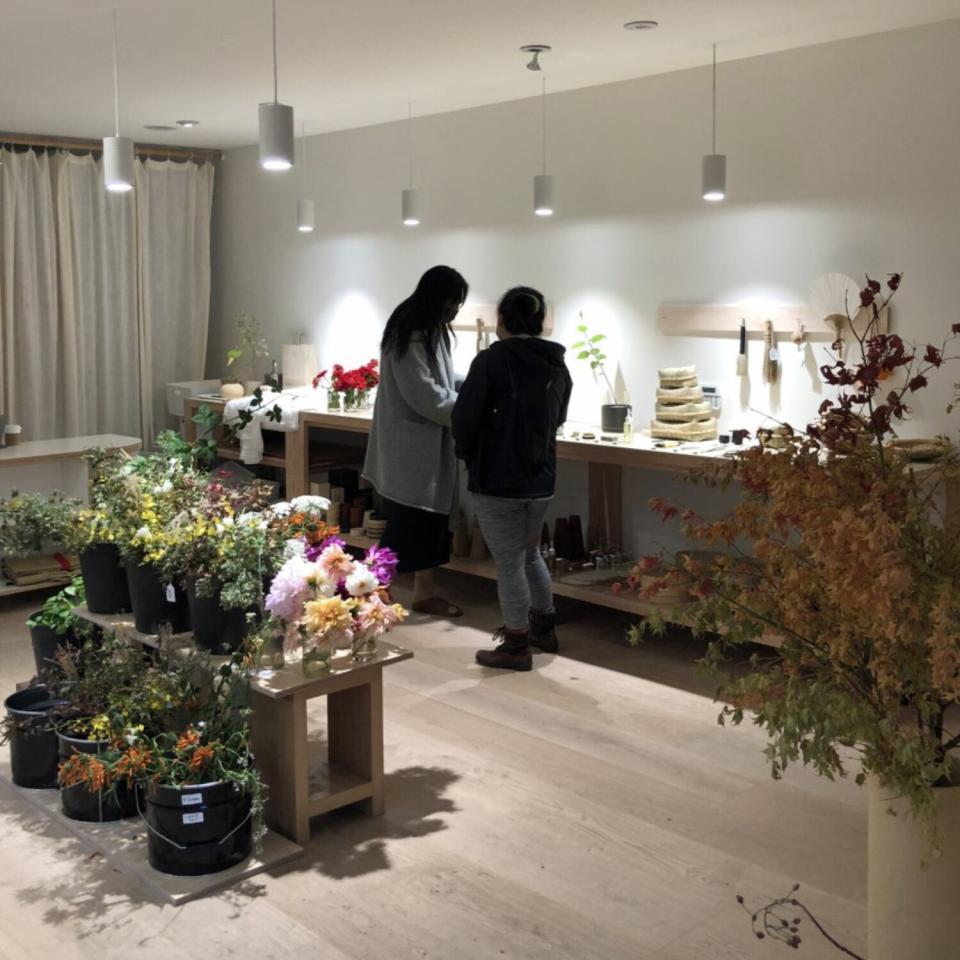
(123,843)
(122,624)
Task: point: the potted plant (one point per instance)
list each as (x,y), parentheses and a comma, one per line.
(33,522)
(329,601)
(858,574)
(222,553)
(246,356)
(203,794)
(112,697)
(55,625)
(162,493)
(613,415)
(28,728)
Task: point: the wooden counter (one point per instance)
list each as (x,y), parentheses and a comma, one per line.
(71,448)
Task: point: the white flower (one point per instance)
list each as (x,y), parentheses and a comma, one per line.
(252,520)
(281,508)
(310,504)
(361,582)
(143,534)
(294,548)
(164,487)
(130,736)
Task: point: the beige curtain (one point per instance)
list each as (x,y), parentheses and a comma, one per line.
(104,298)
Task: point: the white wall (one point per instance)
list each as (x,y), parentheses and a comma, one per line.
(841,157)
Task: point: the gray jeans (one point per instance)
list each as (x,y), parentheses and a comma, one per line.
(511,529)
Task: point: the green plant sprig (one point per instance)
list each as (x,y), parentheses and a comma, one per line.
(589,349)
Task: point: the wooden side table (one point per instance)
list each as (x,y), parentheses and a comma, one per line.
(354,695)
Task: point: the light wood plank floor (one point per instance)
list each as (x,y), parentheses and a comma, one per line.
(590,809)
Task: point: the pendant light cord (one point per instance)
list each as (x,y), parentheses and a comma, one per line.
(303,148)
(543,121)
(276,98)
(116,79)
(714,148)
(410,140)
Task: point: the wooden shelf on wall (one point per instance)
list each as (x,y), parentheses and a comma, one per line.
(723,320)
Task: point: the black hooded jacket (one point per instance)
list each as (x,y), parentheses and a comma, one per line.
(506,417)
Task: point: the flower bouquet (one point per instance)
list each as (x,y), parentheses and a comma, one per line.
(328,601)
(352,386)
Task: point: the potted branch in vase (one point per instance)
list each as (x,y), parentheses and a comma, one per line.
(857,571)
(250,352)
(613,415)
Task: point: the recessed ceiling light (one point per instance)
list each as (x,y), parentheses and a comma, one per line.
(158,126)
(188,123)
(641,25)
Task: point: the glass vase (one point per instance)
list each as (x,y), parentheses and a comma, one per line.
(364,648)
(316,661)
(270,655)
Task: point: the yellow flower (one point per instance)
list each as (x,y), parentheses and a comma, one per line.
(325,614)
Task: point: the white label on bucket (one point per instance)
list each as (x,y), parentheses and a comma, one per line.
(171,594)
(193,818)
(190,799)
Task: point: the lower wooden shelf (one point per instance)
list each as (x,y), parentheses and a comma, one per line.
(123,844)
(12,589)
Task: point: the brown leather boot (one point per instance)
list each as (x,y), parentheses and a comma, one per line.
(513,652)
(543,632)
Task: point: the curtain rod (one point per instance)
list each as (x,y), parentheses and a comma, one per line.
(96,146)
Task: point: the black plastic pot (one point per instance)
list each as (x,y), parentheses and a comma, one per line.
(104,579)
(151,607)
(215,629)
(95,806)
(612,417)
(197,829)
(33,751)
(45,643)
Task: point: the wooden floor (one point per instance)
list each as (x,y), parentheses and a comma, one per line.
(591,810)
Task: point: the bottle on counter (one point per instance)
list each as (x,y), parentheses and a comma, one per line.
(628,428)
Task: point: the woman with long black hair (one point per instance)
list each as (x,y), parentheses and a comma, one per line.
(410,457)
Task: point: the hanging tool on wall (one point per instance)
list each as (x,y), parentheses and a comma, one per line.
(798,337)
(771,355)
(742,355)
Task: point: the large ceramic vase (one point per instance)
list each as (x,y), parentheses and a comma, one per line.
(912,894)
(104,579)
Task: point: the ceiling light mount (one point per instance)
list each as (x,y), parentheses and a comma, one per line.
(188,123)
(638,25)
(536,49)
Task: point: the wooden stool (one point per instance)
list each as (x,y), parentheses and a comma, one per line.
(354,695)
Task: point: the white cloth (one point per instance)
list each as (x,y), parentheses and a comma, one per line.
(104,298)
(290,403)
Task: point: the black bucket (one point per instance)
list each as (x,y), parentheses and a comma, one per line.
(215,629)
(104,579)
(93,806)
(197,829)
(613,416)
(33,750)
(45,643)
(152,606)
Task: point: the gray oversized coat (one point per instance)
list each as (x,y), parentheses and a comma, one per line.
(410,456)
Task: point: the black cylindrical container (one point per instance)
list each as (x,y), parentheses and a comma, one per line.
(96,806)
(215,629)
(613,416)
(33,750)
(45,643)
(104,579)
(156,603)
(197,829)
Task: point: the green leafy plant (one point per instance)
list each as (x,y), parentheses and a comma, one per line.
(251,345)
(29,522)
(590,350)
(57,611)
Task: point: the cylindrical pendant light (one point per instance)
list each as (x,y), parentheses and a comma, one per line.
(276,122)
(410,207)
(543,183)
(118,164)
(409,199)
(714,169)
(306,214)
(543,195)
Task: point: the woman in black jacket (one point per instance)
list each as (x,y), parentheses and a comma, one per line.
(505,425)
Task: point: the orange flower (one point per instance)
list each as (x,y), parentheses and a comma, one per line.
(83,769)
(133,763)
(189,738)
(201,757)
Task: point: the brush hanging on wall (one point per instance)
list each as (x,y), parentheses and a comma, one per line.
(771,355)
(742,355)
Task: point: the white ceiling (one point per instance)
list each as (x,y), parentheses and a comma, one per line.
(350,63)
